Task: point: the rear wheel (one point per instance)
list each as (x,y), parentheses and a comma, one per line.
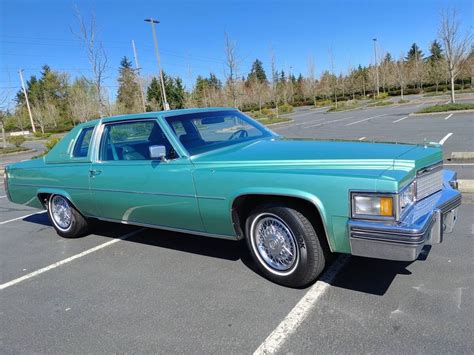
(284,245)
(67,221)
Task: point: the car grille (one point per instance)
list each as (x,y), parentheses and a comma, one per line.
(429,180)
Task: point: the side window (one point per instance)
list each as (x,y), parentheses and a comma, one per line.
(178,128)
(81,148)
(132,141)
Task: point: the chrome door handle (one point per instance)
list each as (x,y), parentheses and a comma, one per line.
(94,172)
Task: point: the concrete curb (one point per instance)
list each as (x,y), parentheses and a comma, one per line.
(466,186)
(440,113)
(462,155)
(18,153)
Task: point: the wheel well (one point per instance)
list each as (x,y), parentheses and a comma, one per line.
(43,197)
(243,205)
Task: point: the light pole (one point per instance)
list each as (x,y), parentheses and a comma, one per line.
(376,65)
(137,69)
(27,102)
(166,106)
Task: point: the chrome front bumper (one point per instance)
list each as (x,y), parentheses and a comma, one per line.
(425,224)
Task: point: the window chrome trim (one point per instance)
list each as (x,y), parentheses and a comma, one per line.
(100,136)
(72,144)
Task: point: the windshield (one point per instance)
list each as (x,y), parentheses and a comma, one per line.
(204,131)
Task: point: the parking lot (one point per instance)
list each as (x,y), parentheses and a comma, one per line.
(130,290)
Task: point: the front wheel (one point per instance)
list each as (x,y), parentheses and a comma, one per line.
(67,221)
(284,245)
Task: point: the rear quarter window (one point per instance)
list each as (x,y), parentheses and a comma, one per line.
(81,147)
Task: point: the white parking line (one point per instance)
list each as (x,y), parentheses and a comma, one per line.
(445,138)
(18,218)
(448,117)
(362,138)
(327,122)
(366,119)
(400,119)
(3,196)
(68,260)
(298,314)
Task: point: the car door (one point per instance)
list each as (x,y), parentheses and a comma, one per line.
(130,187)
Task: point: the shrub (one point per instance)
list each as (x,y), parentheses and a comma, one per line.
(17,141)
(38,134)
(285,108)
(411,91)
(50,143)
(322,103)
(381,96)
(255,114)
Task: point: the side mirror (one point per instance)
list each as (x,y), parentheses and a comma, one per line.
(157,152)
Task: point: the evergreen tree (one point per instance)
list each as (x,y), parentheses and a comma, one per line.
(436,52)
(436,64)
(257,72)
(153,94)
(205,88)
(175,93)
(214,82)
(128,91)
(282,76)
(414,53)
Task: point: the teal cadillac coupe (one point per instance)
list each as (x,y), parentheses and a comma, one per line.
(218,173)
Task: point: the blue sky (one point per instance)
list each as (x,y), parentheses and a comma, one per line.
(191,33)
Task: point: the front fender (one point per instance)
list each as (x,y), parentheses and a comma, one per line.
(294,193)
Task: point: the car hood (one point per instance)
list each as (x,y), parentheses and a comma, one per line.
(277,150)
(380,158)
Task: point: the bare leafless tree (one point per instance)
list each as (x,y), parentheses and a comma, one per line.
(231,68)
(400,69)
(310,87)
(333,76)
(274,81)
(3,115)
(96,55)
(456,45)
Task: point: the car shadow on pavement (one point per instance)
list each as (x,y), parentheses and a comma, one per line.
(189,243)
(373,276)
(186,243)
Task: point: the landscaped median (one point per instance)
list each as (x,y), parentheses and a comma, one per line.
(268,116)
(447,108)
(13,150)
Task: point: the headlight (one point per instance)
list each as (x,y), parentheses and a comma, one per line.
(407,197)
(372,206)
